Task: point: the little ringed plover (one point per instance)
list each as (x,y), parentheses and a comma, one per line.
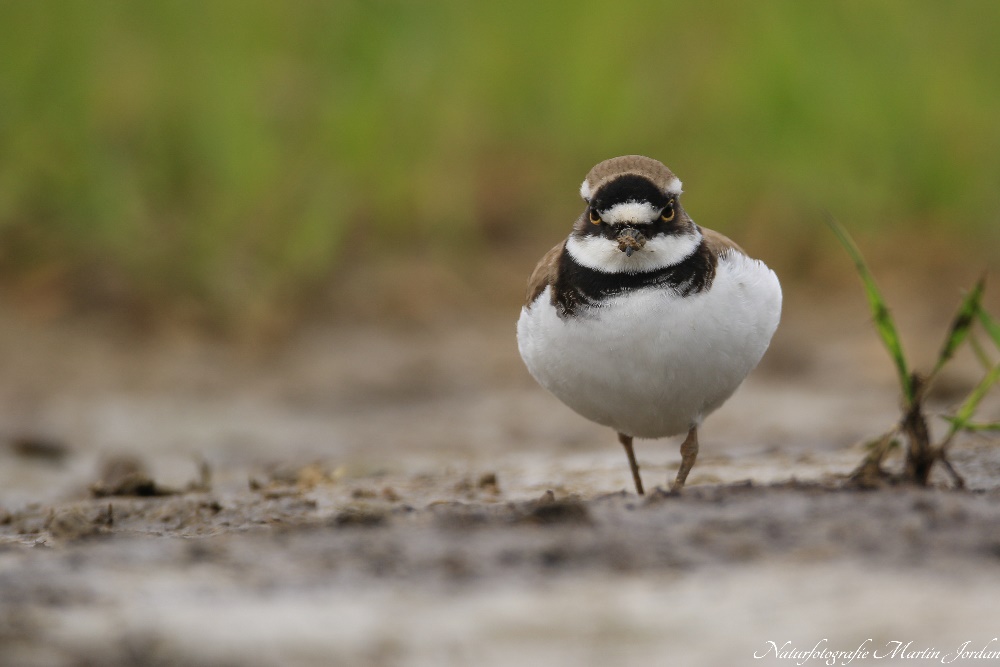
(641,320)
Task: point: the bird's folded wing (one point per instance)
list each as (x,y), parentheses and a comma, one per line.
(544,274)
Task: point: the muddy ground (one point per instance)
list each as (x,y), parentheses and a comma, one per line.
(406,495)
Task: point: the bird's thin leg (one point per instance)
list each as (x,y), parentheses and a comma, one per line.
(626,441)
(689,452)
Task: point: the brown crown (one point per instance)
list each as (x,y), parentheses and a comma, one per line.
(640,165)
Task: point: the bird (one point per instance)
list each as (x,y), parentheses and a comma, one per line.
(640,319)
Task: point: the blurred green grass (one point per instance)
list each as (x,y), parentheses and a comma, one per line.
(228,157)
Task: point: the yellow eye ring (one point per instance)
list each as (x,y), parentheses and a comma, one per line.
(595,217)
(668,213)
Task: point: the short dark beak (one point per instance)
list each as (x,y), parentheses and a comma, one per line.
(629,240)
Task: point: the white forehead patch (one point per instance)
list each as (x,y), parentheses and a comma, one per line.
(585,190)
(634,212)
(674,187)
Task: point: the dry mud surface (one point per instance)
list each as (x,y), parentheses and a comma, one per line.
(410,497)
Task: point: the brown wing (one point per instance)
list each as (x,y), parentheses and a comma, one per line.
(719,245)
(544,274)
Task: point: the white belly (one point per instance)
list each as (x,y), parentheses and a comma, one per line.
(653,364)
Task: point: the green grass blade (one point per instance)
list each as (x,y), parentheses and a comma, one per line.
(991,325)
(977,427)
(961,325)
(880,311)
(964,412)
(981,355)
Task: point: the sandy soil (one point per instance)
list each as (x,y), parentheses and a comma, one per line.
(394,495)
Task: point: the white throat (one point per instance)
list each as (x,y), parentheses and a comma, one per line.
(602,254)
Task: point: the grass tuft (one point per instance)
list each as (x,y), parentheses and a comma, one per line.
(921,452)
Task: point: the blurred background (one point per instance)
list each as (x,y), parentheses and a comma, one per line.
(242,166)
(249,244)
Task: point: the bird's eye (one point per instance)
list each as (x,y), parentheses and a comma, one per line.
(595,217)
(667,214)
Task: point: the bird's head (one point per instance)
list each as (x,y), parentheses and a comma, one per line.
(634,221)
